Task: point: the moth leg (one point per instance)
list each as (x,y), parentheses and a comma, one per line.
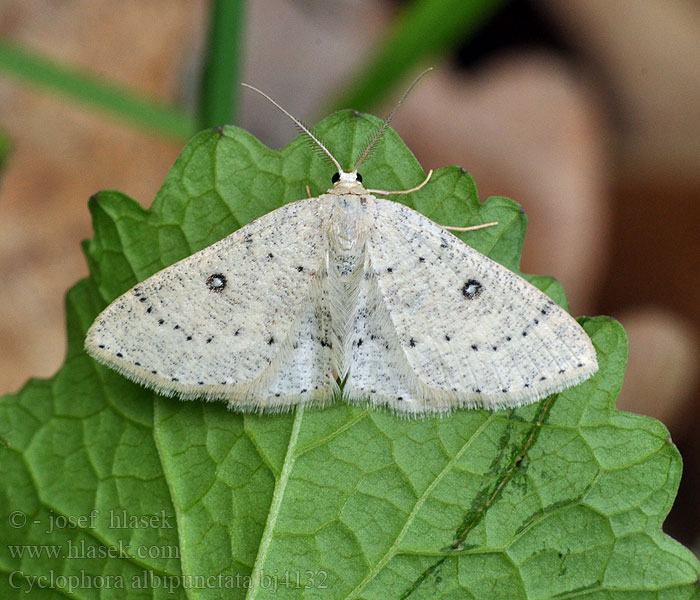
(413,189)
(471,228)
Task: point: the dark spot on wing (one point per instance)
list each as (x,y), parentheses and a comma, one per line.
(271,341)
(160,321)
(412,343)
(216,282)
(471,289)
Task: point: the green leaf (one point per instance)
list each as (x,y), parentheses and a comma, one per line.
(564,498)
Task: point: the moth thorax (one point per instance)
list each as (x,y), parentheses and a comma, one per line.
(347,230)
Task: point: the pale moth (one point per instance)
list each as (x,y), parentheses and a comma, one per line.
(343,289)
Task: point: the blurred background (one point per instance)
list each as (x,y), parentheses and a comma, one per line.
(586,112)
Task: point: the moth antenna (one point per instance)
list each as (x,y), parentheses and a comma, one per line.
(386,122)
(312,145)
(300,125)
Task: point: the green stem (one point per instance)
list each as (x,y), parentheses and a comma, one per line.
(218,91)
(28,66)
(425,29)
(5,148)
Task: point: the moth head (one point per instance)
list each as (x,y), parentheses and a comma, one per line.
(347,182)
(346,177)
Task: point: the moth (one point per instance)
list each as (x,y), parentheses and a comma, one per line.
(344,295)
